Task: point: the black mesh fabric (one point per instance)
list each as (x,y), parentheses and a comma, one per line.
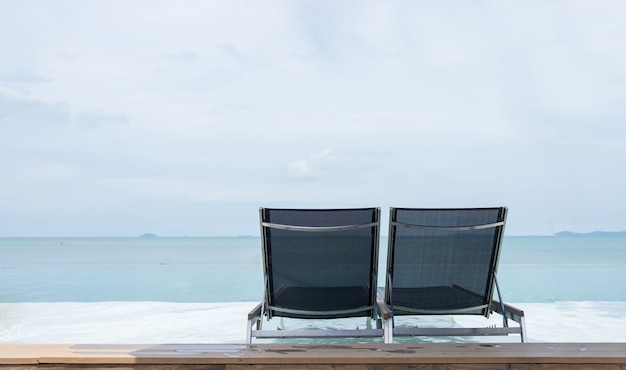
(321,271)
(442,270)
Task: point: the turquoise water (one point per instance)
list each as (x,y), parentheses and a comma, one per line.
(130,269)
(532,269)
(199,290)
(550,269)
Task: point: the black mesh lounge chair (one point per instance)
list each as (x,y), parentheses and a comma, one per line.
(318,264)
(444,262)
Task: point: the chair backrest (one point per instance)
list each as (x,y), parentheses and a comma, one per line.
(320,263)
(443,261)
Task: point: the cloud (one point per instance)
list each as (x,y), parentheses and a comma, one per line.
(19,112)
(233,53)
(21,76)
(300,169)
(99,118)
(183,56)
(311,167)
(214,104)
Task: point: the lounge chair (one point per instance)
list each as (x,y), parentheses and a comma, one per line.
(444,262)
(318,264)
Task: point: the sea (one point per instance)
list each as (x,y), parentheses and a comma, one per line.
(199,290)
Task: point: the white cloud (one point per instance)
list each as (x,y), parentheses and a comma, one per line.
(182,56)
(311,167)
(19,112)
(96,118)
(300,169)
(212,105)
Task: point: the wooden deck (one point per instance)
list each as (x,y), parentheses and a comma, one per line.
(445,356)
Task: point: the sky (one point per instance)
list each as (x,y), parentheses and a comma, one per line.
(124,117)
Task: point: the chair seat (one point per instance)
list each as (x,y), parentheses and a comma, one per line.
(319,301)
(436,300)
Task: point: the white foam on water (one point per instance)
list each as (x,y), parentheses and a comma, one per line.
(162,322)
(576,321)
(573,322)
(123,322)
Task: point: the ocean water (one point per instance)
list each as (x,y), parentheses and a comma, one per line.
(199,290)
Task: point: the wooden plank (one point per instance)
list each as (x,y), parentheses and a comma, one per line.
(567,366)
(523,356)
(439,367)
(319,367)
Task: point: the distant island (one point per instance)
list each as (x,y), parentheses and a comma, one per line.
(592,234)
(147,235)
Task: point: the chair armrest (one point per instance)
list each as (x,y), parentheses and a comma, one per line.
(383,308)
(510,312)
(256,312)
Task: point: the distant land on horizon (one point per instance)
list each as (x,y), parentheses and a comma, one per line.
(593,233)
